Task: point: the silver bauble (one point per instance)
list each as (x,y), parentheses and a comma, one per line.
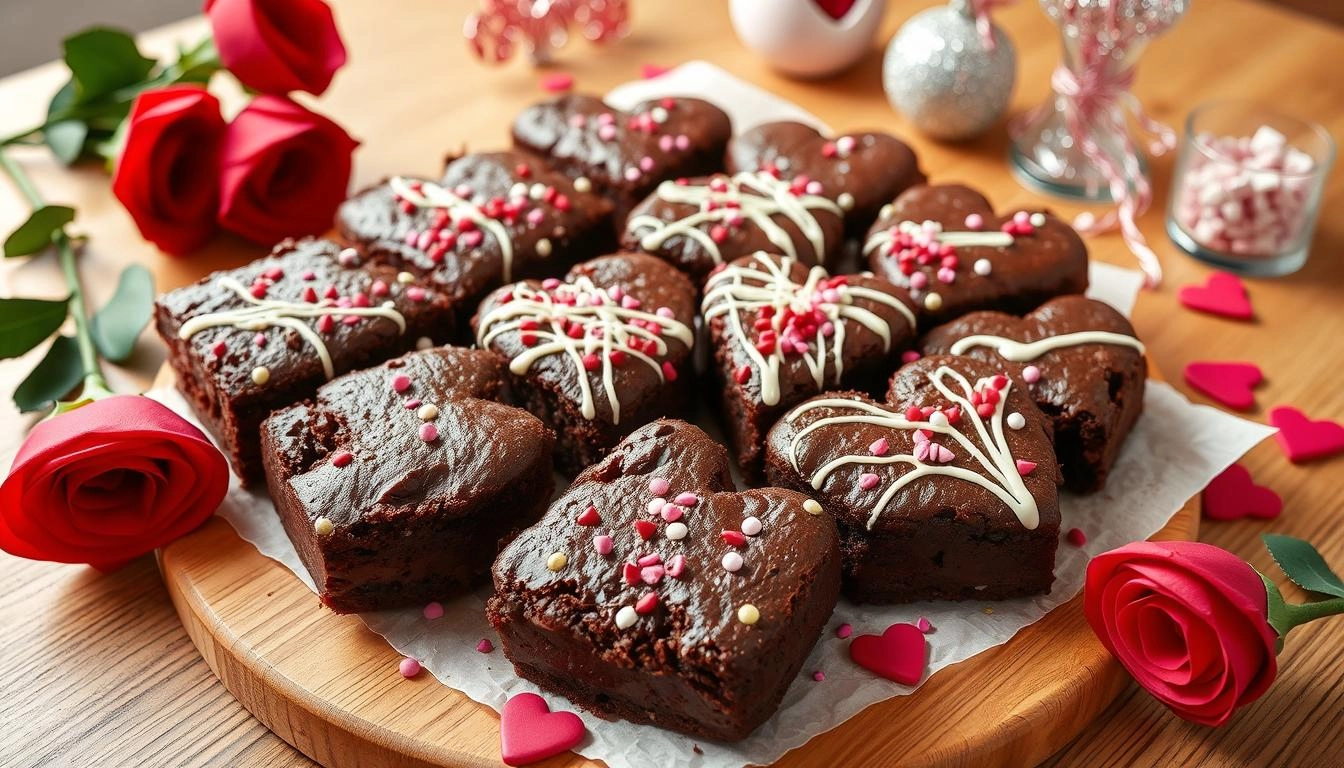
(938,74)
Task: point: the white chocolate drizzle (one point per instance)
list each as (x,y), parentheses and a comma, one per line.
(882,240)
(754,196)
(1021,352)
(260,314)
(1001,476)
(431,195)
(608,325)
(735,290)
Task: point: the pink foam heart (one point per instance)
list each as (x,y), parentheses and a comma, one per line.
(1233,495)
(836,9)
(1228,383)
(529,731)
(897,654)
(1303,439)
(1222,294)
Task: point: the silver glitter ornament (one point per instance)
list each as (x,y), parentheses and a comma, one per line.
(938,74)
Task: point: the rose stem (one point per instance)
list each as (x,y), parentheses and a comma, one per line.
(95,385)
(1301,613)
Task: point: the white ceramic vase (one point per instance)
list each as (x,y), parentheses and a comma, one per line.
(799,39)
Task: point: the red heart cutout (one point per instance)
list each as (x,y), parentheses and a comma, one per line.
(897,654)
(836,9)
(529,731)
(1232,495)
(1222,294)
(1303,439)
(1228,383)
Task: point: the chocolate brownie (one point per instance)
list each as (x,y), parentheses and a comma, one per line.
(946,245)
(1082,364)
(246,341)
(782,332)
(491,219)
(624,155)
(947,490)
(653,592)
(697,224)
(861,170)
(598,354)
(397,483)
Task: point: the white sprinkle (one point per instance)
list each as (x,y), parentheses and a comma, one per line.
(938,419)
(543,247)
(261,375)
(323,527)
(732,562)
(933,302)
(537,191)
(751,526)
(658,114)
(583,185)
(424,342)
(1016,421)
(885,211)
(428,412)
(626,617)
(677,531)
(518,190)
(1037,219)
(845,201)
(348,257)
(556,561)
(982,267)
(405,278)
(812,507)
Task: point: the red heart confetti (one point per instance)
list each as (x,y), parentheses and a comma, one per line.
(1303,439)
(1233,495)
(530,732)
(897,654)
(558,82)
(1222,294)
(1227,383)
(650,71)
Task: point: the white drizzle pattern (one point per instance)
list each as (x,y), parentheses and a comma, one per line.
(735,290)
(606,327)
(260,314)
(1001,476)
(756,196)
(1021,352)
(433,195)
(882,240)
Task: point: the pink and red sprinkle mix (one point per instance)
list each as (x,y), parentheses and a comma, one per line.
(485,646)
(342,458)
(1076,537)
(409,667)
(819,676)
(650,71)
(844,631)
(557,82)
(433,611)
(924,625)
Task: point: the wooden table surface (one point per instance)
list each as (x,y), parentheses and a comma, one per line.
(97,670)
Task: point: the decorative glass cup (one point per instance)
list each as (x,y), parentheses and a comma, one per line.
(1246,190)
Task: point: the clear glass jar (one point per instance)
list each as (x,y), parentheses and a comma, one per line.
(1246,190)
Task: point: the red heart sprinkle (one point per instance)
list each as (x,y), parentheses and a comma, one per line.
(645,529)
(1233,495)
(1222,294)
(530,732)
(735,538)
(897,654)
(589,516)
(1303,439)
(1227,383)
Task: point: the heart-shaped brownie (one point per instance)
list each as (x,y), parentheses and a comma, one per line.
(652,592)
(624,155)
(948,490)
(397,483)
(1082,364)
(700,223)
(861,170)
(597,354)
(491,219)
(782,331)
(946,245)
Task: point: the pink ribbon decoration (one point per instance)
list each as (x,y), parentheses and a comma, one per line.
(980,9)
(494,31)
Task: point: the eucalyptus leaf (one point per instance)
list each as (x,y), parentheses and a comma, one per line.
(66,139)
(1303,564)
(24,323)
(53,378)
(102,60)
(39,231)
(118,324)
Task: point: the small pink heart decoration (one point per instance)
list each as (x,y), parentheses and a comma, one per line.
(1303,439)
(529,731)
(1228,383)
(897,654)
(1222,294)
(836,9)
(1233,495)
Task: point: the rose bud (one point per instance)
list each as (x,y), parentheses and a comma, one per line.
(277,47)
(167,176)
(107,482)
(1189,621)
(284,171)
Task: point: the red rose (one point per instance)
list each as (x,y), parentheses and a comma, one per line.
(167,175)
(277,46)
(284,171)
(107,482)
(1189,621)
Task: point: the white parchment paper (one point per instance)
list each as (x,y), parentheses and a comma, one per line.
(1172,453)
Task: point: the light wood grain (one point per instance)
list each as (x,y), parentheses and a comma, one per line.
(97,669)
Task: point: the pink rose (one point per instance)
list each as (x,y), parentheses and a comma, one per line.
(277,46)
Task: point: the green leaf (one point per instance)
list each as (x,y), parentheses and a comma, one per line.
(65,137)
(1278,609)
(118,324)
(1303,564)
(24,323)
(39,231)
(53,378)
(103,60)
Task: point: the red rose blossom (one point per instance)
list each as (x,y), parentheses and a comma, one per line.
(1189,621)
(107,482)
(277,46)
(167,175)
(284,171)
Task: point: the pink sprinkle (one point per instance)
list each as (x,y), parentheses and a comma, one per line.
(350,319)
(683,142)
(629,302)
(1025,467)
(219,348)
(919,281)
(924,625)
(259,339)
(656,505)
(308,274)
(878,447)
(342,458)
(646,603)
(909,356)
(669,371)
(485,646)
(650,559)
(409,667)
(428,432)
(676,566)
(843,631)
(652,574)
(819,676)
(557,82)
(258,290)
(646,163)
(672,513)
(632,173)
(325,324)
(975,221)
(411,404)
(867,481)
(659,486)
(415,293)
(1076,537)
(665,142)
(603,544)
(650,71)
(606,132)
(401,382)
(1031,374)
(687,499)
(578,121)
(433,611)
(379,288)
